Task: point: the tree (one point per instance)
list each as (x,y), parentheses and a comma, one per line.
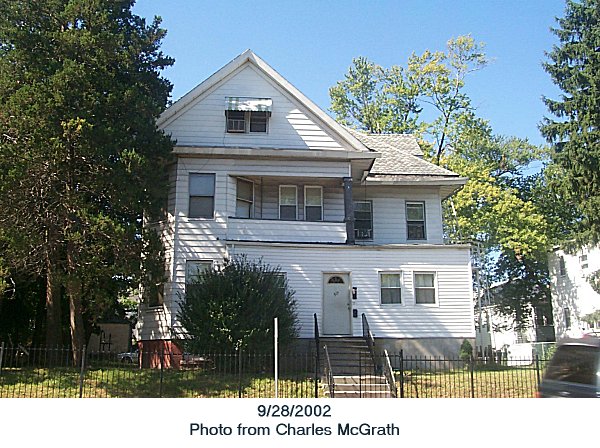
(82,164)
(491,210)
(380,100)
(233,307)
(574,66)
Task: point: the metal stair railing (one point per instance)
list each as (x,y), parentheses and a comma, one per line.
(388,372)
(329,373)
(317,356)
(368,337)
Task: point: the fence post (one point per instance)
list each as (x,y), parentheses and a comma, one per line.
(401,373)
(537,370)
(162,353)
(317,372)
(239,372)
(82,371)
(1,356)
(472,369)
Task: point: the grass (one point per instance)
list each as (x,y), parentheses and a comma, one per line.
(128,382)
(487,381)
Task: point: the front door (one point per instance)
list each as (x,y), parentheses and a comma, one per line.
(337,304)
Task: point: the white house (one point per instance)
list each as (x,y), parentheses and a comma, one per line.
(573,298)
(353,220)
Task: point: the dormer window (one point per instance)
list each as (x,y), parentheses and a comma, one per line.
(244,115)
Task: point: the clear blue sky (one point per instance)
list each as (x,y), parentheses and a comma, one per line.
(312,43)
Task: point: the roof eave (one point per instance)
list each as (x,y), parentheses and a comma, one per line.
(249,56)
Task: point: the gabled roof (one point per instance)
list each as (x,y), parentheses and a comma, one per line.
(249,57)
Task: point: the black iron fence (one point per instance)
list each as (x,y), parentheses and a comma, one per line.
(46,372)
(436,377)
(43,372)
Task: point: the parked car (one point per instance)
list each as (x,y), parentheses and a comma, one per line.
(574,370)
(129,357)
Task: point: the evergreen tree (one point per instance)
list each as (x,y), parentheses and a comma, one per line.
(574,66)
(82,164)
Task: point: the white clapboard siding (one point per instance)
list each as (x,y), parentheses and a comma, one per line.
(154,323)
(451,316)
(275,173)
(290,125)
(389,212)
(333,197)
(286,231)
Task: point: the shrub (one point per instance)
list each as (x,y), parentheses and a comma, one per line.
(234,307)
(466,351)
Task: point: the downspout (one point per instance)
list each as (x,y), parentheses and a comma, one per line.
(349,210)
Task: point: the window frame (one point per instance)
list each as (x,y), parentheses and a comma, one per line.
(320,188)
(250,119)
(190,195)
(370,202)
(413,222)
(257,114)
(434,288)
(154,302)
(238,198)
(210,265)
(279,204)
(232,129)
(562,266)
(567,318)
(399,288)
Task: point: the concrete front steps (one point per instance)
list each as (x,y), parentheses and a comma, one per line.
(354,373)
(348,355)
(355,386)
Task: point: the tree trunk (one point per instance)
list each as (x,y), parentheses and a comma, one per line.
(74,290)
(53,298)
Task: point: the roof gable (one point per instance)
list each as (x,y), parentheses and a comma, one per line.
(249,60)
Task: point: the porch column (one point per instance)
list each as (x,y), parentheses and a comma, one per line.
(348,210)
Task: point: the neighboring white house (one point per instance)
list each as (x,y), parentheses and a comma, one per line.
(573,298)
(353,220)
(499,332)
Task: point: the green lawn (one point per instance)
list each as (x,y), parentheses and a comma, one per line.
(127,382)
(493,381)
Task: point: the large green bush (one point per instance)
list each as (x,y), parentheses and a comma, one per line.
(234,306)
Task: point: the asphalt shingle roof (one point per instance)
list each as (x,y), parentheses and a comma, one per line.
(400,155)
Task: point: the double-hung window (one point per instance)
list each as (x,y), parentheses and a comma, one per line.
(415,221)
(363,220)
(288,202)
(313,203)
(202,196)
(193,273)
(562,267)
(244,206)
(245,114)
(425,289)
(391,290)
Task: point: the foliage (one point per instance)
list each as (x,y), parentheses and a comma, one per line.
(494,210)
(381,100)
(234,307)
(592,318)
(370,97)
(466,351)
(81,161)
(574,66)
